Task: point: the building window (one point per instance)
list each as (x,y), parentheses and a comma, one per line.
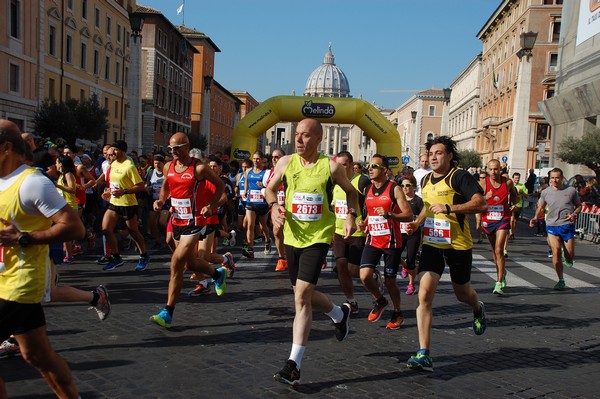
(15,18)
(51,89)
(83,61)
(97,18)
(116,109)
(119,27)
(52,40)
(108,26)
(84,5)
(549,93)
(543,131)
(96,62)
(555,31)
(67,91)
(70,5)
(431,110)
(69,49)
(553,67)
(81,95)
(14,84)
(107,68)
(117,72)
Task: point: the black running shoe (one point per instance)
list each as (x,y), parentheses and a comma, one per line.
(289,374)
(343,327)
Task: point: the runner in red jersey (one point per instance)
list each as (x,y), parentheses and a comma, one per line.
(499,193)
(386,206)
(185,183)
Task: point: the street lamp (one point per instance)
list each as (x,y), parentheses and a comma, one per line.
(527,43)
(413,116)
(447,91)
(137,23)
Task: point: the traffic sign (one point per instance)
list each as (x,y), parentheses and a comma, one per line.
(405,159)
(504,158)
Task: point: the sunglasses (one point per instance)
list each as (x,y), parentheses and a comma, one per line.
(175,147)
(406,185)
(375,166)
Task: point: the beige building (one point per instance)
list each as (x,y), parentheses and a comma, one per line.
(512,82)
(463,110)
(575,108)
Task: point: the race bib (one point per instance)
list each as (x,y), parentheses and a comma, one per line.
(437,231)
(404,227)
(281,197)
(307,207)
(182,208)
(256,196)
(495,212)
(341,209)
(378,226)
(114,187)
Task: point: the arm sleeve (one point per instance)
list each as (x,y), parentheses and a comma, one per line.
(39,196)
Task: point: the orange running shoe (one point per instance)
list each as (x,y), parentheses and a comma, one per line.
(281,265)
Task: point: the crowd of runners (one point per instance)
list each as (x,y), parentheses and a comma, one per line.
(58,202)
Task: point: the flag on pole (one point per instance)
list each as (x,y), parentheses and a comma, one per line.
(180,9)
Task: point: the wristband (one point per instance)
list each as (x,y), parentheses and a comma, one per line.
(448,210)
(125,191)
(272,204)
(387,215)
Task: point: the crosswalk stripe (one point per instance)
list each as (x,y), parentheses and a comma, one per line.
(548,272)
(489,268)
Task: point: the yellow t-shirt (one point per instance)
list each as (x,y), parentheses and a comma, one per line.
(124,175)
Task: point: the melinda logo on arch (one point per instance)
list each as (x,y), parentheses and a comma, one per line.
(318,110)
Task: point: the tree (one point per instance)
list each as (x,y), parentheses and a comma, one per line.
(469,159)
(582,151)
(71,119)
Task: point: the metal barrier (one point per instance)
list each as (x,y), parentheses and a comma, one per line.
(587,224)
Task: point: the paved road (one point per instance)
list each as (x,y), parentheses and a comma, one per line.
(539,342)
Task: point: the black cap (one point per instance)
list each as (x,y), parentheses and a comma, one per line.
(120,144)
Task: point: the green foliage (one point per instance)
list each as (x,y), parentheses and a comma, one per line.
(469,158)
(71,119)
(582,151)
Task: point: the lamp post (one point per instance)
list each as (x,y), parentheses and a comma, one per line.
(134,116)
(206,111)
(517,156)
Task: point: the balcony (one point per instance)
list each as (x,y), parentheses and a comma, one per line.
(490,120)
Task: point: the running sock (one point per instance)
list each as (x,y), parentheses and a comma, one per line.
(170,309)
(95,299)
(296,354)
(336,314)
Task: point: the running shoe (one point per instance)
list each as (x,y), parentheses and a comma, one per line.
(247,251)
(504,279)
(259,239)
(379,280)
(565,261)
(103,305)
(404,272)
(68,260)
(77,250)
(343,327)
(200,290)
(142,263)
(498,288)
(113,264)
(353,306)
(232,241)
(230,264)
(225,242)
(480,240)
(268,248)
(9,348)
(395,322)
(221,282)
(281,265)
(410,290)
(549,254)
(91,240)
(163,318)
(480,323)
(560,285)
(377,310)
(289,374)
(505,253)
(104,260)
(420,361)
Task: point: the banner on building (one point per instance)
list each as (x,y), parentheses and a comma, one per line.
(589,20)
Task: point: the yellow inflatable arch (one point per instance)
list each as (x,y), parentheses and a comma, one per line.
(323,109)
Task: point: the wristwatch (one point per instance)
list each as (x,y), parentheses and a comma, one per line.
(24,239)
(352,211)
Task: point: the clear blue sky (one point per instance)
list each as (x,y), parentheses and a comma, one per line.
(270,47)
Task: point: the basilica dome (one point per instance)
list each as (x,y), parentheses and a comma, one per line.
(327,80)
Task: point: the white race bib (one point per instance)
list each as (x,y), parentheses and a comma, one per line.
(182,208)
(307,207)
(437,231)
(378,226)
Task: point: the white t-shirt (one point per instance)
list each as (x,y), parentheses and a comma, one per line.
(419,174)
(38,195)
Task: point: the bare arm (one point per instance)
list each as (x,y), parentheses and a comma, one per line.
(165,190)
(338,174)
(278,212)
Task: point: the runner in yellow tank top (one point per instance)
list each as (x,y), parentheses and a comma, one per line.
(309,224)
(449,195)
